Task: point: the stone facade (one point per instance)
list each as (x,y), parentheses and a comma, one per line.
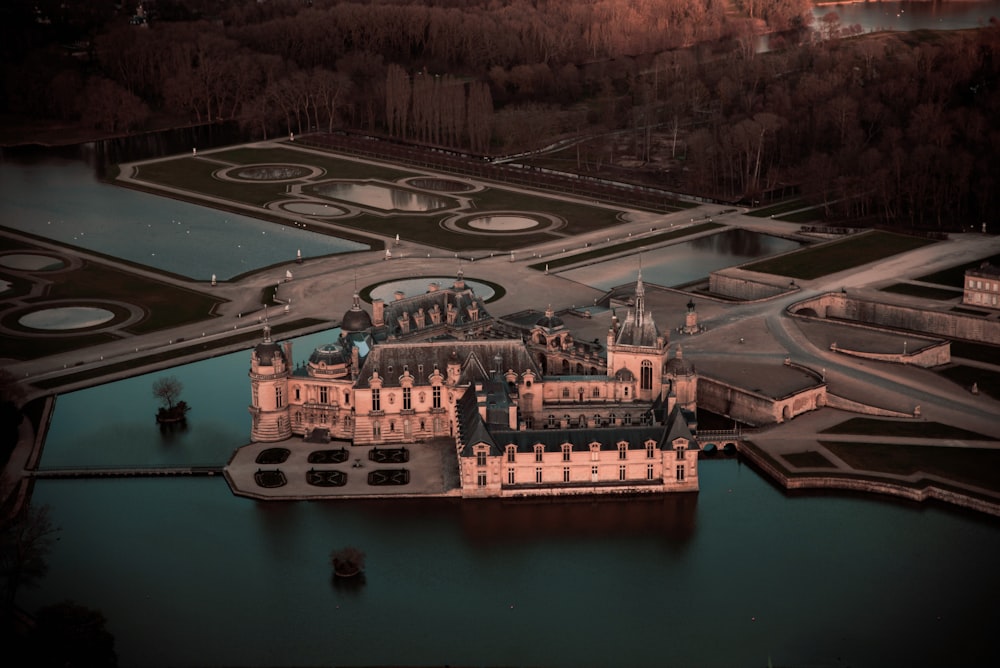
(982,286)
(532,410)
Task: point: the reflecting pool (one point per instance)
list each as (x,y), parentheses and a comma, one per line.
(684,262)
(377,196)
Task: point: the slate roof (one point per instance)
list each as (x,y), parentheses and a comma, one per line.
(408,307)
(477,359)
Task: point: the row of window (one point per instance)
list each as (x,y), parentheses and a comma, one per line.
(481,477)
(980,298)
(567,449)
(984,285)
(407,398)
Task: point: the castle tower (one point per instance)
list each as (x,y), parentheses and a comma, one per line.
(682,376)
(639,347)
(269,374)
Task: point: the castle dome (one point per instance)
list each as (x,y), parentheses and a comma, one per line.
(678,366)
(356,319)
(330,354)
(550,320)
(267,352)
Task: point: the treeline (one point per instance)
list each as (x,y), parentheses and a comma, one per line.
(898,129)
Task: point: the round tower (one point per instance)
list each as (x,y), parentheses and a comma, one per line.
(269,374)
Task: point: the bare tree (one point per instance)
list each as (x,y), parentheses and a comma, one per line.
(167,389)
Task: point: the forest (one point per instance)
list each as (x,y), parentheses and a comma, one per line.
(892,129)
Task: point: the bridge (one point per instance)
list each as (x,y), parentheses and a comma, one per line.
(724,440)
(126,472)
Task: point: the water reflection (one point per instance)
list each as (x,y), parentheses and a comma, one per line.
(685,262)
(382,197)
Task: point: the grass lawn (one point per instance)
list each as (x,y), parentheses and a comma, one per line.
(956,275)
(981,352)
(165,305)
(625,246)
(194,174)
(173,353)
(867,426)
(924,291)
(839,255)
(979,467)
(808,459)
(987,380)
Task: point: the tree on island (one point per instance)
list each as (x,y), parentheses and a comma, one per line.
(347,561)
(167,389)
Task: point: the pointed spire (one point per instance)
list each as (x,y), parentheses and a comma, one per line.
(640,296)
(267,332)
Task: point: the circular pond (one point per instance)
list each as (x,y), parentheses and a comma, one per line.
(66,317)
(502,223)
(418,286)
(31,262)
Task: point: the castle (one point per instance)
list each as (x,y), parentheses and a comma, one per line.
(531,410)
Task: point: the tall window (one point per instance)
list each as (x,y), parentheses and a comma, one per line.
(254,398)
(621,472)
(646,375)
(298,394)
(511,450)
(650,446)
(680,451)
(595,452)
(436,397)
(376,399)
(565,474)
(538,453)
(407,400)
(649,471)
(481,458)
(481,479)
(622,450)
(324,395)
(279,396)
(538,474)
(510,476)
(680,473)
(565,451)
(596,392)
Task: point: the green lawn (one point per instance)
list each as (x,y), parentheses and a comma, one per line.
(869,426)
(195,175)
(970,466)
(808,459)
(165,305)
(830,258)
(988,381)
(923,291)
(956,275)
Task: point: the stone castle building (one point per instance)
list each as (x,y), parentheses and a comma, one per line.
(531,410)
(982,286)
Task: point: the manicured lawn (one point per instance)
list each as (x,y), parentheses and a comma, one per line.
(956,275)
(971,466)
(911,429)
(839,255)
(923,291)
(194,174)
(808,459)
(246,336)
(165,305)
(987,381)
(624,246)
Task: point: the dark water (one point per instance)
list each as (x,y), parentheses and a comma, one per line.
(189,575)
(684,262)
(905,16)
(56,195)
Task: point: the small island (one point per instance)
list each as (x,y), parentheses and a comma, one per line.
(173,412)
(347,562)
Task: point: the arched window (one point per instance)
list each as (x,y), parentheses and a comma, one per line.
(646,375)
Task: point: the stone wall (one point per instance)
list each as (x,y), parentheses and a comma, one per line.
(927,357)
(754,408)
(940,323)
(745,285)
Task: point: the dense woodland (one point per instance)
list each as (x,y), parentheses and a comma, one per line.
(895,129)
